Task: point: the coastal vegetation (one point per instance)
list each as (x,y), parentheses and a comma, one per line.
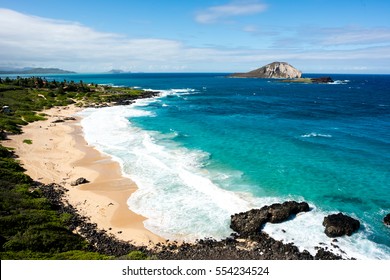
(22,99)
(33,227)
(30,226)
(33,222)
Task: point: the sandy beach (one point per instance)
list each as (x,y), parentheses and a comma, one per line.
(59,154)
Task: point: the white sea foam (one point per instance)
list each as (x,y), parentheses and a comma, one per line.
(314,134)
(183,200)
(339,82)
(306,232)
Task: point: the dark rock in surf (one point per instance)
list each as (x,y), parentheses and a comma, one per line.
(386,220)
(322,254)
(339,224)
(251,222)
(322,80)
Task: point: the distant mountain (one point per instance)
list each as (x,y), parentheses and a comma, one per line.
(34,71)
(274,70)
(117,71)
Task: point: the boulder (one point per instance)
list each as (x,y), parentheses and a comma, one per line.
(79,181)
(274,70)
(252,221)
(322,80)
(339,225)
(58,121)
(69,119)
(386,220)
(281,212)
(322,254)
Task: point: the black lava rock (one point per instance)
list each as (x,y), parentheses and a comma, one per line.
(251,222)
(386,220)
(339,225)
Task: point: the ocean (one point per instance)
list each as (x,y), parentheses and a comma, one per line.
(211,146)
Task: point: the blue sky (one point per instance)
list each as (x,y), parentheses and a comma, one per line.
(316,36)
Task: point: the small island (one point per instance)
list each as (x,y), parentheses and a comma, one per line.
(274,70)
(281,70)
(117,71)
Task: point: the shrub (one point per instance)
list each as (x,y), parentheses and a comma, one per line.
(27,141)
(47,238)
(135,255)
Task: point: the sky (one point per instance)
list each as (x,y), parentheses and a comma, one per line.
(315,36)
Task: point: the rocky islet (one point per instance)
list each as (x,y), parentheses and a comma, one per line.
(274,70)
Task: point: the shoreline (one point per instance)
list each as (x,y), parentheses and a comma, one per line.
(58,153)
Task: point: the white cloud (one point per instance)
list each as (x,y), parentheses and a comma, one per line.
(354,35)
(238,8)
(34,41)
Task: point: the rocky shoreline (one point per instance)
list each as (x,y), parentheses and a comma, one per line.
(251,246)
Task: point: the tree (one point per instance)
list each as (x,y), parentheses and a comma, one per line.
(60,90)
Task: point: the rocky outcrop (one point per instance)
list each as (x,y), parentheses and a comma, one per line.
(79,181)
(386,220)
(323,254)
(339,225)
(251,222)
(322,80)
(274,70)
(260,247)
(58,121)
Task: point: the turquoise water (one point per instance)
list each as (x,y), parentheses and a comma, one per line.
(212,146)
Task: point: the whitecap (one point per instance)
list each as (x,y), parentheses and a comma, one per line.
(339,82)
(313,134)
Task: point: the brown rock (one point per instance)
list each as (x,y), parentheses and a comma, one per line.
(79,181)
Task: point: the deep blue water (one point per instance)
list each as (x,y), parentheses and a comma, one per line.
(328,144)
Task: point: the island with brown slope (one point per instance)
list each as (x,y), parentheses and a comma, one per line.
(284,71)
(274,70)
